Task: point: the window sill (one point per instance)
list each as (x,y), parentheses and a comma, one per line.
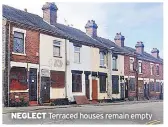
(131,71)
(57,56)
(115,69)
(20,54)
(102,66)
(157,92)
(77,62)
(157,75)
(140,73)
(77,92)
(103,91)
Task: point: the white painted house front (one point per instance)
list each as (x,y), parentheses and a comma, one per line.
(52,65)
(78,62)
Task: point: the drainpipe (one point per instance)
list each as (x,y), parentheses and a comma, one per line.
(8,59)
(109,90)
(66,68)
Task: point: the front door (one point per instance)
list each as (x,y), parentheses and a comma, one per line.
(146,91)
(122,90)
(87,86)
(126,88)
(94,90)
(45,89)
(33,84)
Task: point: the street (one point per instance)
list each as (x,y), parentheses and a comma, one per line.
(141,113)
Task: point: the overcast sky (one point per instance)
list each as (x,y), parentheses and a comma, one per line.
(136,21)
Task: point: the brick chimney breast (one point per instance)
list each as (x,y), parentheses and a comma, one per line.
(50,13)
(91,28)
(119,39)
(139,47)
(155,52)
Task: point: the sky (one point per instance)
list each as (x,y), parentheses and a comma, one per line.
(136,21)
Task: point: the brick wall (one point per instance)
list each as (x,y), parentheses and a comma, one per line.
(31,47)
(145,69)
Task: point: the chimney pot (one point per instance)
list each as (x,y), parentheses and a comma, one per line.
(25,9)
(119,39)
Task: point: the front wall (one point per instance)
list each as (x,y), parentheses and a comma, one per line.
(84,65)
(31,47)
(47,61)
(95,67)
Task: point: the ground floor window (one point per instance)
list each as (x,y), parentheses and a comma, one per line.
(102,79)
(57,79)
(76,82)
(132,84)
(18,78)
(115,84)
(157,88)
(152,86)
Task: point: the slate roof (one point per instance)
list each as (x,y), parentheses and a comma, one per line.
(73,34)
(145,56)
(36,21)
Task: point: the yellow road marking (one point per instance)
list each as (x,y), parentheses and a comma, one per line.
(153,122)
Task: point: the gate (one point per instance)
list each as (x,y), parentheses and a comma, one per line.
(33,84)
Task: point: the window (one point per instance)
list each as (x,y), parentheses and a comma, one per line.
(56,48)
(151,69)
(114,63)
(140,67)
(132,84)
(18,43)
(157,69)
(115,84)
(102,79)
(157,88)
(76,54)
(152,86)
(131,64)
(102,56)
(76,82)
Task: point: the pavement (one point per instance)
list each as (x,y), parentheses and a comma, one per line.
(32,108)
(143,112)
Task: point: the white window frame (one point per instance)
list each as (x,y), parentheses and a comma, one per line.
(131,58)
(102,59)
(151,68)
(116,67)
(79,54)
(139,62)
(57,43)
(20,31)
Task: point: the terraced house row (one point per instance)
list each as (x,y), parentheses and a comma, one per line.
(48,62)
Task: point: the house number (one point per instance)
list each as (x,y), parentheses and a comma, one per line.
(58,63)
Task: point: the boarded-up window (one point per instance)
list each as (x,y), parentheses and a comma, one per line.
(132,84)
(57,79)
(102,79)
(157,87)
(76,82)
(115,84)
(152,86)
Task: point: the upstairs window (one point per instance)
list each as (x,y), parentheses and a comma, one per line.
(151,69)
(157,69)
(56,48)
(102,57)
(77,54)
(131,64)
(140,67)
(114,62)
(18,43)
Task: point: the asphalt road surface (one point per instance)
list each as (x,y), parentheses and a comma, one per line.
(142,113)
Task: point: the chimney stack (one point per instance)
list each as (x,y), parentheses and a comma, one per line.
(50,13)
(119,39)
(25,9)
(91,28)
(155,52)
(139,47)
